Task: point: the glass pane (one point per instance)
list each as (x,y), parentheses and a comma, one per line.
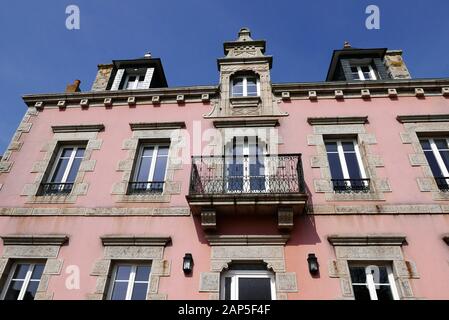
(445,156)
(141,78)
(237,82)
(441,143)
(331,146)
(383,275)
(74,170)
(353,166)
(37,271)
(367,76)
(59,171)
(139,291)
(79,153)
(384,293)
(237,91)
(143,273)
(433,164)
(14,290)
(361,293)
(355,76)
(358,274)
(159,169)
(131,78)
(254,289)
(123,272)
(147,151)
(144,169)
(335,166)
(251,81)
(119,291)
(365,68)
(348,146)
(21,271)
(228,288)
(66,152)
(31,290)
(162,151)
(425,144)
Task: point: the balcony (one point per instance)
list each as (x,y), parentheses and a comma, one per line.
(442,183)
(351,185)
(264,184)
(145,187)
(54,189)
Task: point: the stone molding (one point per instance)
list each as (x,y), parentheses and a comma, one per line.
(157,125)
(367,240)
(131,248)
(246,123)
(224,255)
(381,209)
(250,240)
(336,120)
(78,128)
(379,248)
(42,167)
(371,161)
(422,126)
(176,139)
(24,247)
(134,240)
(423,118)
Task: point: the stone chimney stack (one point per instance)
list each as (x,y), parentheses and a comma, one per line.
(103,75)
(395,65)
(75,87)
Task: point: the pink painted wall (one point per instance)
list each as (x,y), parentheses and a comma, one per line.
(423,232)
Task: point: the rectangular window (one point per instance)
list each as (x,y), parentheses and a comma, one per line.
(130,282)
(363,72)
(437,155)
(150,169)
(64,171)
(134,81)
(245,86)
(248,285)
(345,163)
(373,282)
(23,281)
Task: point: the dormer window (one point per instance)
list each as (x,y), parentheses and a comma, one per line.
(133,79)
(363,72)
(245,86)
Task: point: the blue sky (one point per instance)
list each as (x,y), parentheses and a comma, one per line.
(39,55)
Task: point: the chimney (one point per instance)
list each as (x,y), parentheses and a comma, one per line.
(395,65)
(147,55)
(75,87)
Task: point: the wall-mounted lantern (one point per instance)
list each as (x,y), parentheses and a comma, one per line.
(187,263)
(313,263)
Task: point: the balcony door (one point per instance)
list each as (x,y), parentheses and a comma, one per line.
(245,165)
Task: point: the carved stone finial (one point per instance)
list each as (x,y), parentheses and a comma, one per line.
(244,35)
(346,45)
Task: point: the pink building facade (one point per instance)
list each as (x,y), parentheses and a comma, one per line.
(243,190)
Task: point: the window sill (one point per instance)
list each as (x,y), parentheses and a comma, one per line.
(244,102)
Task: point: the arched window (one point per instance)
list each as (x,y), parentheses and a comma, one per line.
(245,85)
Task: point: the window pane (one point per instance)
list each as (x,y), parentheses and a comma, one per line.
(14,290)
(162,151)
(228,288)
(254,289)
(31,290)
(159,169)
(383,275)
(79,153)
(74,170)
(425,144)
(348,146)
(355,76)
(441,143)
(123,272)
(361,293)
(143,273)
(66,152)
(433,164)
(384,293)
(21,271)
(37,272)
(331,146)
(237,91)
(354,69)
(335,166)
(119,291)
(139,291)
(353,166)
(144,169)
(365,68)
(147,151)
(358,274)
(445,156)
(59,171)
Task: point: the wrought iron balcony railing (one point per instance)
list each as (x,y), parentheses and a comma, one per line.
(351,185)
(262,174)
(145,187)
(53,188)
(442,183)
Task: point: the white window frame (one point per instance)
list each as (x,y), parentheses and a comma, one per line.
(154,157)
(26,280)
(437,155)
(69,164)
(131,280)
(360,72)
(372,285)
(343,164)
(245,85)
(136,84)
(237,274)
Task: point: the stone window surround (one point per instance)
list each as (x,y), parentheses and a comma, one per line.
(417,126)
(365,248)
(128,248)
(344,127)
(63,135)
(244,248)
(169,132)
(42,247)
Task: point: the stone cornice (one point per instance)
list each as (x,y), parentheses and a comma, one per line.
(78,128)
(119,240)
(22,239)
(239,240)
(246,123)
(336,120)
(367,240)
(423,118)
(157,125)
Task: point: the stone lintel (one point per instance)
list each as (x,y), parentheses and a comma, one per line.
(423,118)
(23,239)
(367,240)
(78,128)
(336,120)
(157,125)
(239,240)
(246,123)
(132,240)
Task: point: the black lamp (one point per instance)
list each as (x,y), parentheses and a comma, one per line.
(313,263)
(187,263)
